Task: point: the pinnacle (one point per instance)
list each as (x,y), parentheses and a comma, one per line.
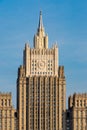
(40,21)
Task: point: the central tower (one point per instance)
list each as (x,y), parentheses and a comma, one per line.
(41,91)
(40,60)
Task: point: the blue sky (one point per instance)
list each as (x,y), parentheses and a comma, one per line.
(65,21)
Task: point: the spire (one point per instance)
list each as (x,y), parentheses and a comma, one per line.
(40,39)
(40,26)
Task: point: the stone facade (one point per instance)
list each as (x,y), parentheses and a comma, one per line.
(41,86)
(78,111)
(8,115)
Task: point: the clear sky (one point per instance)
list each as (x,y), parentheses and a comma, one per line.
(65,21)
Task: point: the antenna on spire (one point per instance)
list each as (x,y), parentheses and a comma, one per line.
(40,26)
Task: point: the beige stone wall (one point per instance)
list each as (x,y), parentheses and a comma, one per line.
(78,103)
(41,61)
(7,113)
(42,101)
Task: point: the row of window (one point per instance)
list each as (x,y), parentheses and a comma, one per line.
(49,61)
(5,112)
(5,102)
(42,73)
(81,103)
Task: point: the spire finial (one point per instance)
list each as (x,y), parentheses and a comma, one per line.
(40,21)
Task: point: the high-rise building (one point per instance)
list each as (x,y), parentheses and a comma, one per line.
(41,92)
(77,112)
(41,86)
(8,115)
